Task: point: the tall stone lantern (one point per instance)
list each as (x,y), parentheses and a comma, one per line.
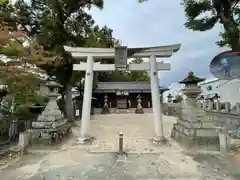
(191,92)
(51,124)
(188,126)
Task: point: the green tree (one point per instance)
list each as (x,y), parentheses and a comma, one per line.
(124,76)
(22,85)
(55,24)
(139,75)
(2,2)
(204,15)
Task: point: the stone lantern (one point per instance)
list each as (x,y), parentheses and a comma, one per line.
(191,89)
(139,109)
(105,109)
(191,126)
(51,121)
(53,88)
(191,92)
(169,98)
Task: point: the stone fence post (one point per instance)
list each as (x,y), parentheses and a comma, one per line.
(224,140)
(210,106)
(218,105)
(227,107)
(24,141)
(204,105)
(238,108)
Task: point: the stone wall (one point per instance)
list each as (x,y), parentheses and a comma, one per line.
(203,124)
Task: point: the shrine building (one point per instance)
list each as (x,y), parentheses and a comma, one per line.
(123,95)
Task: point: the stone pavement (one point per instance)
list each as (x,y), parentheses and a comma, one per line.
(144,160)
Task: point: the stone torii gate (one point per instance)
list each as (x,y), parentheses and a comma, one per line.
(121,54)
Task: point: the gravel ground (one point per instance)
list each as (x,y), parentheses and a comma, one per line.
(144,160)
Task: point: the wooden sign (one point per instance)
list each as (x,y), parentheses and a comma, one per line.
(121,58)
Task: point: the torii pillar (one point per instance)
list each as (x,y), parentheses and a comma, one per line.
(121,54)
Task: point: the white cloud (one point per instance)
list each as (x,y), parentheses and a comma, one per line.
(161,23)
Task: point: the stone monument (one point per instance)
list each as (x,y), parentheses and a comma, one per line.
(192,127)
(51,124)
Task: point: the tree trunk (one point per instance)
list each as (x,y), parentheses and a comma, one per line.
(230,26)
(233,33)
(69,103)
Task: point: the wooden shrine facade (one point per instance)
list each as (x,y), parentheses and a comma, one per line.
(123,95)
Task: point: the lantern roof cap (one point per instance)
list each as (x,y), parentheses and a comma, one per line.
(191,79)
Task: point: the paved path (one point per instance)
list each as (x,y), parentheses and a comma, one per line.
(145,161)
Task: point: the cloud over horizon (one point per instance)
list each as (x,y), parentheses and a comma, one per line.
(156,23)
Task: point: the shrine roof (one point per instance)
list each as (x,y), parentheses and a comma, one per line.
(125,86)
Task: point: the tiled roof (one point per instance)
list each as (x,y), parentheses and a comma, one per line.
(212,96)
(208,80)
(125,86)
(191,79)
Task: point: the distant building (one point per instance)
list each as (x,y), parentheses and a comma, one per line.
(227,90)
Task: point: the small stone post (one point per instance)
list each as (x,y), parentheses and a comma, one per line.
(218,105)
(210,106)
(227,106)
(24,141)
(224,141)
(120,144)
(105,109)
(238,108)
(139,109)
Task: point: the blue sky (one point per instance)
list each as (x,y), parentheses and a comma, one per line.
(161,23)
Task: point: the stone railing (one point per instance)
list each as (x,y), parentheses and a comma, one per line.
(222,114)
(209,120)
